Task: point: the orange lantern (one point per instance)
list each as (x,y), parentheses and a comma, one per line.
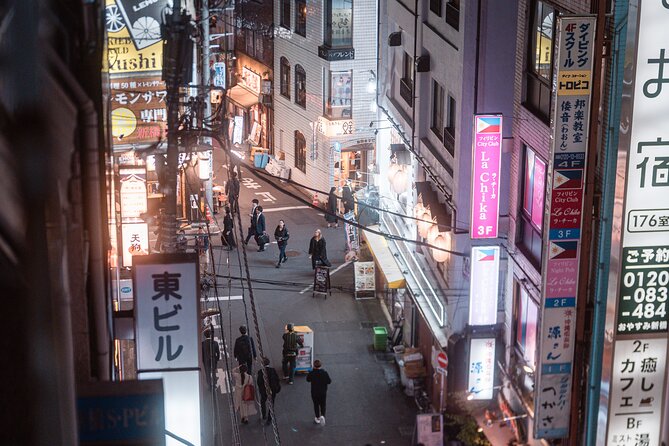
(440,242)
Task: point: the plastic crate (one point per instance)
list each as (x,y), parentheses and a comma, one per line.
(380,338)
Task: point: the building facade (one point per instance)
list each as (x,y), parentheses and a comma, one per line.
(325,60)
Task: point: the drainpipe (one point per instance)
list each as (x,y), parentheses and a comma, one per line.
(92,189)
(415,79)
(604,241)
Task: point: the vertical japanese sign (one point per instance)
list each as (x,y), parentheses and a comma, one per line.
(133,192)
(484,285)
(571,121)
(167,327)
(135,238)
(640,341)
(481,368)
(485,176)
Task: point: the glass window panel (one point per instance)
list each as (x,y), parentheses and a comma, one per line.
(340,95)
(339,23)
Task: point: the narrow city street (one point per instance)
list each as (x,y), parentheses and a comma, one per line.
(365,402)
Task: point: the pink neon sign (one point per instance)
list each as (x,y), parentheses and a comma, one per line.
(485,176)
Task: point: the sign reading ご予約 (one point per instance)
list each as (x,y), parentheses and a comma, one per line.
(638,377)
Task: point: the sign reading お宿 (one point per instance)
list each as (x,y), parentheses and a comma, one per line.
(485,176)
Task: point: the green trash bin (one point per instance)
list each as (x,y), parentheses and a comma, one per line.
(380,338)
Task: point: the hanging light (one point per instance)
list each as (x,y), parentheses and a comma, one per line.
(441,242)
(432,233)
(425,223)
(400,181)
(203,167)
(392,170)
(418,209)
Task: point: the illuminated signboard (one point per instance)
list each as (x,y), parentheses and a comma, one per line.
(338,127)
(133,193)
(640,332)
(484,285)
(139,110)
(135,237)
(571,123)
(167,336)
(485,176)
(250,80)
(481,371)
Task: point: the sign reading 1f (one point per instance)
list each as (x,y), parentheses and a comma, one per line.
(485,176)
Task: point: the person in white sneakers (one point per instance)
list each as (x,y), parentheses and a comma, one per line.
(319,380)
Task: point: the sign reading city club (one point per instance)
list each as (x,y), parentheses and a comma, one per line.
(484,285)
(571,122)
(640,343)
(485,176)
(166,311)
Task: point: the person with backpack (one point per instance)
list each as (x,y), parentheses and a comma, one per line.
(290,346)
(274,387)
(320,380)
(245,349)
(245,394)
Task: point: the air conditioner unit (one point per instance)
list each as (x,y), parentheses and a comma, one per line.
(395,39)
(423,64)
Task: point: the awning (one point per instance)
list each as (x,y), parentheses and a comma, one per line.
(384,259)
(242,96)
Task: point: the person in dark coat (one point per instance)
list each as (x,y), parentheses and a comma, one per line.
(281,235)
(252,215)
(228,236)
(211,354)
(245,349)
(347,199)
(202,242)
(274,388)
(232,191)
(318,251)
(182,241)
(261,229)
(320,380)
(332,208)
(291,344)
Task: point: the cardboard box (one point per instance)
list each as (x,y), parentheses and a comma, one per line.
(412,354)
(414,369)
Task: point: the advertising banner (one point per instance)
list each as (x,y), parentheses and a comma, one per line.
(481,368)
(484,285)
(135,239)
(640,337)
(571,123)
(485,176)
(138,110)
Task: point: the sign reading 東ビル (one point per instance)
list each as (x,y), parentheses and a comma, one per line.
(485,176)
(563,218)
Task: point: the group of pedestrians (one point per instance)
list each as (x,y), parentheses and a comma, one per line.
(244,397)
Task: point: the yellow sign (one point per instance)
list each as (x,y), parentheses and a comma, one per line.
(123,40)
(575,82)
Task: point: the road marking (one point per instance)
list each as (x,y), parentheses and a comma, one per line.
(336,269)
(249,183)
(268,196)
(287,208)
(213,298)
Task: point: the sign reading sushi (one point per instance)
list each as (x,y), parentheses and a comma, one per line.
(485,176)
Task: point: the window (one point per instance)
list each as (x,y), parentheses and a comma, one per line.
(526,317)
(339,23)
(284,74)
(532,212)
(449,129)
(435,6)
(540,59)
(301,17)
(453,14)
(285,13)
(339,99)
(300,86)
(437,124)
(406,83)
(300,151)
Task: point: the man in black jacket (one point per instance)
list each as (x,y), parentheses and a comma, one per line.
(261,229)
(281,235)
(274,387)
(252,215)
(245,349)
(319,380)
(211,354)
(232,191)
(228,236)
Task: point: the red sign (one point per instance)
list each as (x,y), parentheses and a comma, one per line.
(442,360)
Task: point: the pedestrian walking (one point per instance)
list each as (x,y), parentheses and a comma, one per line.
(245,349)
(274,388)
(261,230)
(182,241)
(228,235)
(347,198)
(252,227)
(281,235)
(332,209)
(245,394)
(220,199)
(318,251)
(290,345)
(201,242)
(211,354)
(320,380)
(232,191)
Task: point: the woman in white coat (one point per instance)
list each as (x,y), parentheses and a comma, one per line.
(244,398)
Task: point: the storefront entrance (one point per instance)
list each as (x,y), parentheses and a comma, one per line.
(352,165)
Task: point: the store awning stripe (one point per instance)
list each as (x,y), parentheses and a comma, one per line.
(384,259)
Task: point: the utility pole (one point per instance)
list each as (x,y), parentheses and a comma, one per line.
(207,103)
